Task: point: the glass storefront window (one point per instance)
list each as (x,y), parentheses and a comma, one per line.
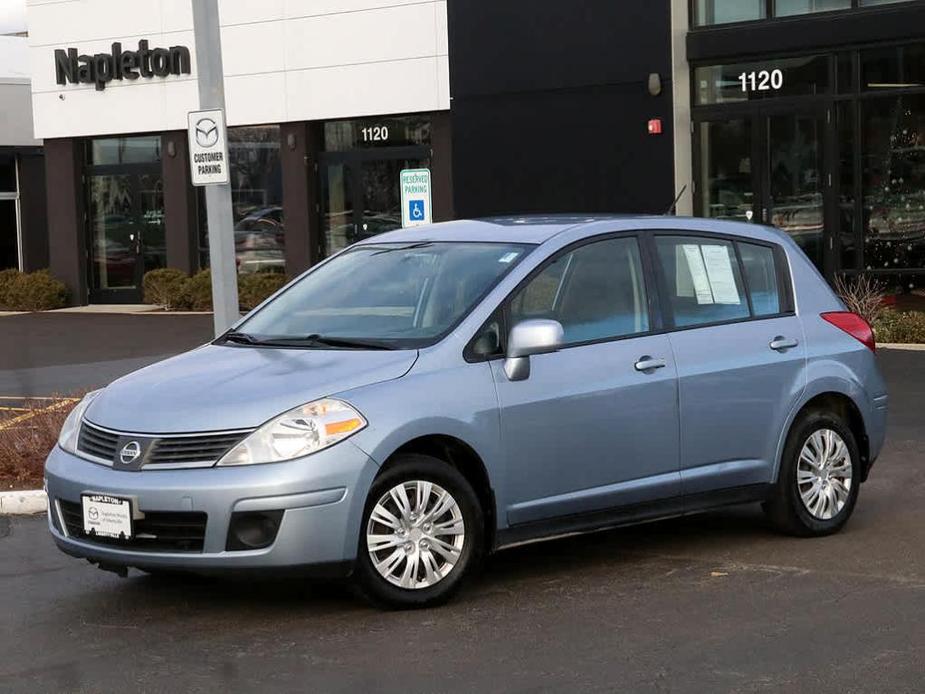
(125,150)
(257,201)
(709,12)
(384,131)
(740,82)
(893,182)
(9,237)
(7,173)
(847,197)
(897,67)
(789,8)
(726,169)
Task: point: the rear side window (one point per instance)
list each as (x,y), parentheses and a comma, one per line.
(703,280)
(761,278)
(596,292)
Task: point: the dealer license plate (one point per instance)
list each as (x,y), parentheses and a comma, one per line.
(107,516)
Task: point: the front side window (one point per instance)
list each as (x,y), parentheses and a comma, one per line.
(596,292)
(399,296)
(761,276)
(703,281)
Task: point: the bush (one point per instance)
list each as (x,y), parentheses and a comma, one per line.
(200,291)
(254,288)
(35,291)
(7,279)
(26,439)
(173,290)
(168,288)
(862,295)
(900,326)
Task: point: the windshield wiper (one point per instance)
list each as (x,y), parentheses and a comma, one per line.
(325,341)
(240,338)
(307,340)
(419,244)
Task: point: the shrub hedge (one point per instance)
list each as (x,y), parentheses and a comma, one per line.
(167,288)
(34,291)
(900,326)
(173,290)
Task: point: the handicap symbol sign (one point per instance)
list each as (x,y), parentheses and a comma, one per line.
(416,210)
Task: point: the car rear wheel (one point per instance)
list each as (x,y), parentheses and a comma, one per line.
(820,472)
(422,532)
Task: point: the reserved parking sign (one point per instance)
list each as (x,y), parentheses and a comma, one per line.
(415,198)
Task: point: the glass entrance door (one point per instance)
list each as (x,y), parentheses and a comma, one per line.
(794,189)
(126,218)
(125,206)
(769,167)
(361,195)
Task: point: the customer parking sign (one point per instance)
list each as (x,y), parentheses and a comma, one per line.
(415,198)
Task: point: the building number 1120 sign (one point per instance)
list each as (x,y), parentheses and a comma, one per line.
(762,80)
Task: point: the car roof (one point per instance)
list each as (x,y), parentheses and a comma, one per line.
(537,229)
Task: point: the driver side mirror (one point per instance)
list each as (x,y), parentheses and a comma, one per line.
(528,338)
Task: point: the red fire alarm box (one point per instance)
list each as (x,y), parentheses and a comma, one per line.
(655,126)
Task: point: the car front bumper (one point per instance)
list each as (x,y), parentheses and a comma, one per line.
(321,497)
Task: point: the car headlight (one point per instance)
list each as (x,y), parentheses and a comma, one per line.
(67,439)
(300,432)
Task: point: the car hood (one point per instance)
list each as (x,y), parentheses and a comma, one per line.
(218,387)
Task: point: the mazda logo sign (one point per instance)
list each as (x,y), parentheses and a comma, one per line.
(206,133)
(130,452)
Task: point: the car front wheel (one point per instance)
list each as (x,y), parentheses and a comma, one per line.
(422,532)
(820,472)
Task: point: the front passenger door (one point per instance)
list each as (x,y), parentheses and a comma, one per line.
(595,425)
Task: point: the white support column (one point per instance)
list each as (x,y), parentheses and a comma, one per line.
(681,95)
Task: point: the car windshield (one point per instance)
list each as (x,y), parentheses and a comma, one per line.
(382,296)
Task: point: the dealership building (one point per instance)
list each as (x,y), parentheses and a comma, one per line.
(805,114)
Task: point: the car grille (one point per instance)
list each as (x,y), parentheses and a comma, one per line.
(196,450)
(97,442)
(192,449)
(159,531)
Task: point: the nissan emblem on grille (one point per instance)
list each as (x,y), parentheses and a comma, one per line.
(130,452)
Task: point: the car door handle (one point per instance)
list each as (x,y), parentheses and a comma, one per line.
(649,364)
(779,343)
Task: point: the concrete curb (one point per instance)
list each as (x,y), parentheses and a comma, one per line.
(24,502)
(908,347)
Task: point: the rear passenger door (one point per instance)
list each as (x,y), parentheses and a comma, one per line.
(739,351)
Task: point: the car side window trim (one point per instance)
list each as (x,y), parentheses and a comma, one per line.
(785,284)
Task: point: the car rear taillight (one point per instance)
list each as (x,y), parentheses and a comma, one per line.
(854,325)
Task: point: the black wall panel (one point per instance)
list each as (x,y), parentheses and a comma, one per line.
(550,106)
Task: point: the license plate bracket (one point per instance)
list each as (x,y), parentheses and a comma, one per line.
(107,516)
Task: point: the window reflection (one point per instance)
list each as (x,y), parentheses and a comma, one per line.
(726,11)
(726,170)
(788,8)
(893,179)
(257,201)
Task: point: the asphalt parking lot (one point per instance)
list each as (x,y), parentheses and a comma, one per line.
(44,354)
(713,603)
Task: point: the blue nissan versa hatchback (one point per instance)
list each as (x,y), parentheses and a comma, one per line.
(430,395)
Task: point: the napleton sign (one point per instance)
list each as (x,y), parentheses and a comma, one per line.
(102,68)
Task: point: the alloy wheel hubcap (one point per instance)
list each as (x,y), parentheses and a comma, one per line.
(824,474)
(415,534)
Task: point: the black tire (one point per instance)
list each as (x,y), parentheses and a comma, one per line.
(406,468)
(785,508)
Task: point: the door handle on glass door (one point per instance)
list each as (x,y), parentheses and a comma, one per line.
(649,364)
(779,343)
